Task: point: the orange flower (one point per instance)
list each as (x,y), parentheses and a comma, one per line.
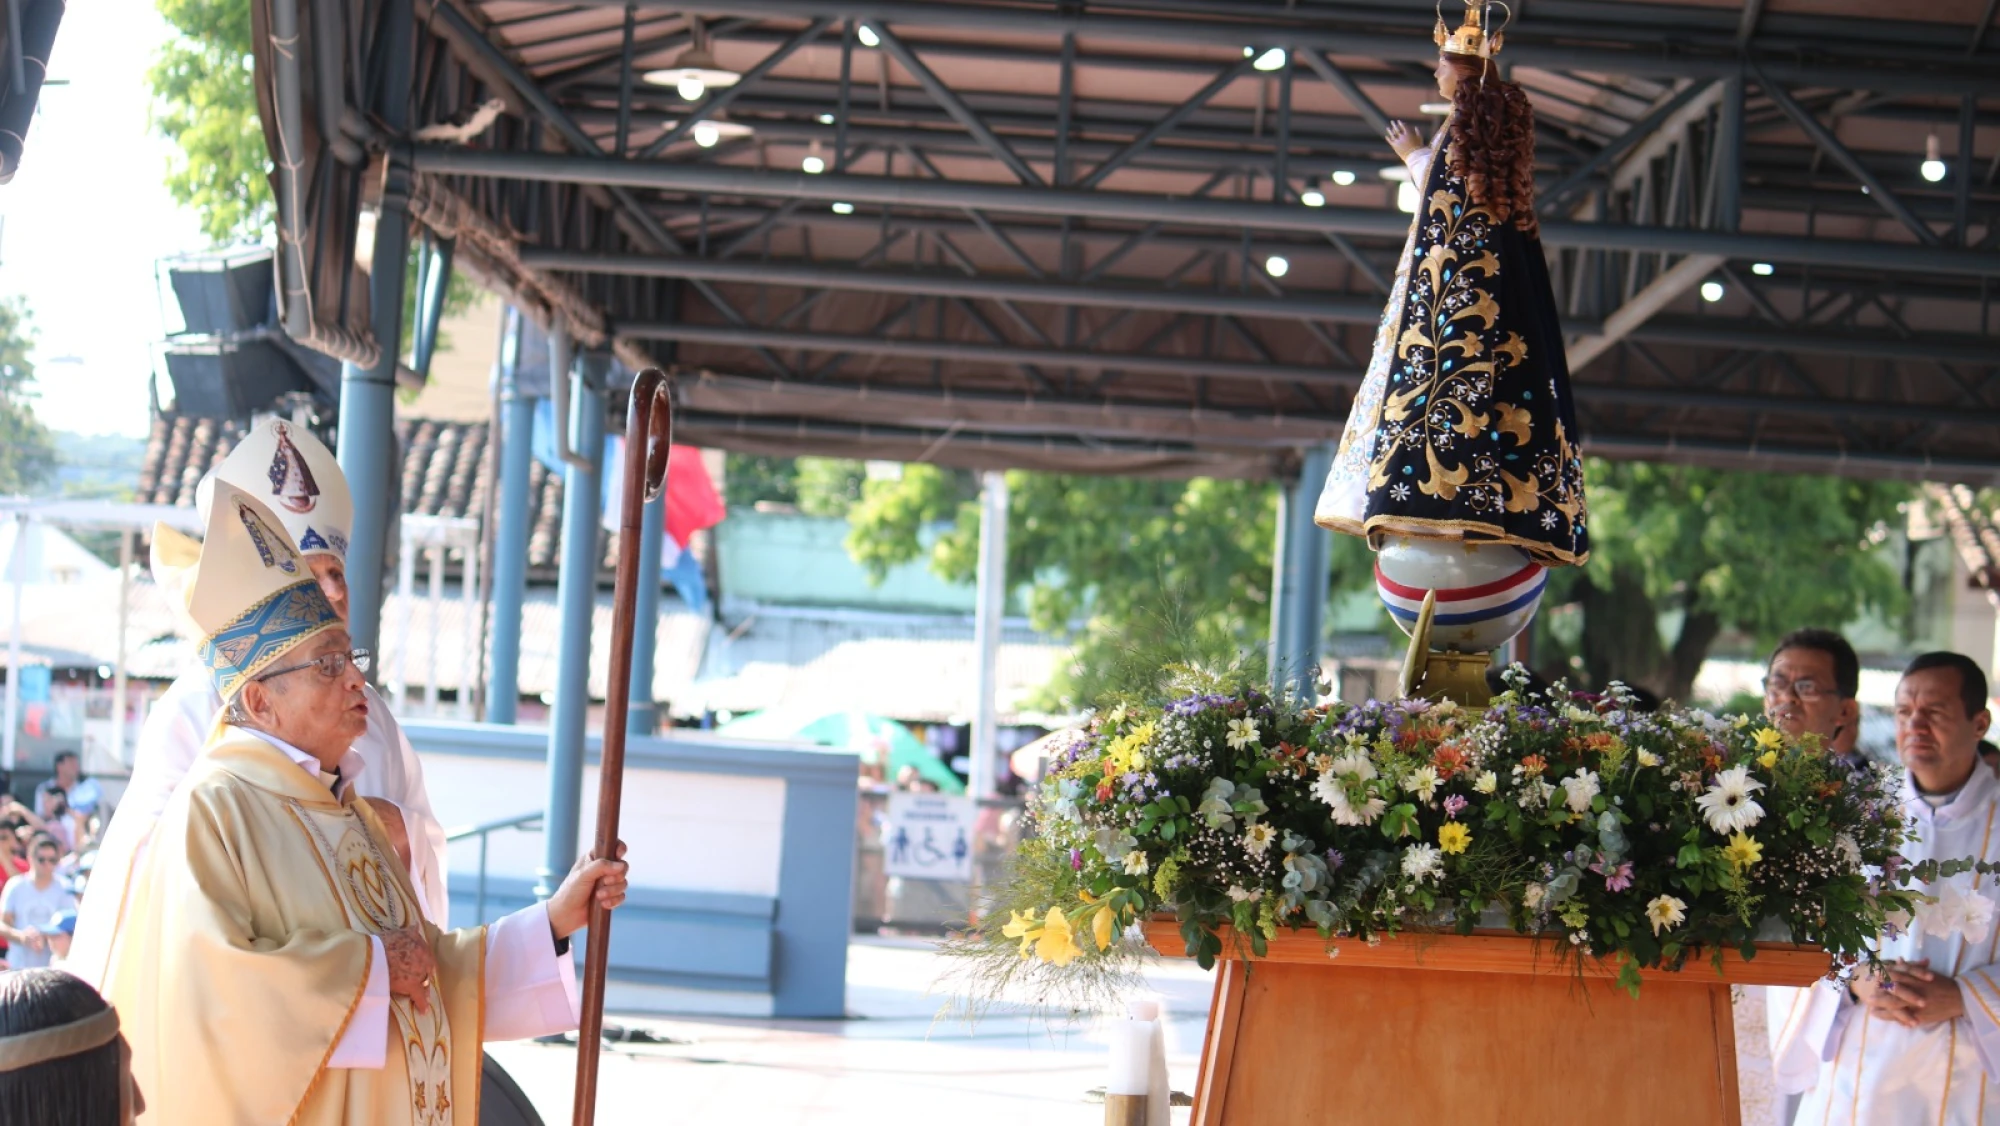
(1449,759)
(1534,764)
(1104,790)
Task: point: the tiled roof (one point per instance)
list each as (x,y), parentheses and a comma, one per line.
(445,473)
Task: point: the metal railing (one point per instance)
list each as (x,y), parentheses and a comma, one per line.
(525,822)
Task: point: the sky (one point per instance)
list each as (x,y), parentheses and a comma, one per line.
(87,217)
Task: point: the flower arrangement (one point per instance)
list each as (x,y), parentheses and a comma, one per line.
(1642,838)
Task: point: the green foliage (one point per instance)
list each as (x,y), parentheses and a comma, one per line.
(749,480)
(1751,553)
(27,451)
(206,103)
(829,486)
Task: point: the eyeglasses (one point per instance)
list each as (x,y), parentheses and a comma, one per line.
(45,858)
(330,665)
(1806,689)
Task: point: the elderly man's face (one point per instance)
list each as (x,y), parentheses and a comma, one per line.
(319,714)
(1938,741)
(332,576)
(1801,696)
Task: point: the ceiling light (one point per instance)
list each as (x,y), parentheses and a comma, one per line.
(1406,198)
(1312,196)
(1276,266)
(813,164)
(1249,51)
(694,74)
(867,36)
(1273,59)
(1343,177)
(1394,173)
(843,209)
(826,119)
(1434,109)
(1933,166)
(1711,291)
(710,130)
(1865,191)
(706,134)
(1763,269)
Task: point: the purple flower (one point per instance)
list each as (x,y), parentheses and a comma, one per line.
(1455,805)
(1076,859)
(1334,860)
(1619,878)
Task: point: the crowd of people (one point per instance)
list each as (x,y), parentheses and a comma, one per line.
(45,857)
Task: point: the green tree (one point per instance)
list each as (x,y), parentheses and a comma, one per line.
(1710,551)
(27,451)
(1138,573)
(206,103)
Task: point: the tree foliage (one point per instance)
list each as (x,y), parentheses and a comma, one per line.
(1750,553)
(27,451)
(205,102)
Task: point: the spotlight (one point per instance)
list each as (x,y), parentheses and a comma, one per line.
(1933,166)
(1407,197)
(1273,59)
(1276,266)
(1343,177)
(1763,269)
(1711,291)
(867,36)
(843,209)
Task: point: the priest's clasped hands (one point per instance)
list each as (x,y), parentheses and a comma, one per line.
(408,950)
(1909,994)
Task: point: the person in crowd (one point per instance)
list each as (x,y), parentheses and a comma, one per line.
(13,858)
(82,794)
(57,933)
(1920,1042)
(275,964)
(31,900)
(1811,687)
(297,478)
(62,1060)
(57,821)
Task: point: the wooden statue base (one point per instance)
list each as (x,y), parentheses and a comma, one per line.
(1469,1029)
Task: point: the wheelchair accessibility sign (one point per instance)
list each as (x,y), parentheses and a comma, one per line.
(928,837)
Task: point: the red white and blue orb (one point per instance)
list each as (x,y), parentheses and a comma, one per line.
(1486,593)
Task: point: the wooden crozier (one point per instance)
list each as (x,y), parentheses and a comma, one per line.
(1469,1029)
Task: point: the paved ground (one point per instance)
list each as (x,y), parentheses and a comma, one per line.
(897,1063)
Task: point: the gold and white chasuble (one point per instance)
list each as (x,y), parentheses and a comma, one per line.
(1871,1072)
(246,953)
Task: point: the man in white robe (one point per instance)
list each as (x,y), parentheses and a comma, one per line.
(300,483)
(275,966)
(1921,1042)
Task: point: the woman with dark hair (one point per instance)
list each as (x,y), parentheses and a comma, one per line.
(1463,430)
(62,1061)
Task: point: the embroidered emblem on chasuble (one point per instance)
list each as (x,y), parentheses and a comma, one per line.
(1475,437)
(375,903)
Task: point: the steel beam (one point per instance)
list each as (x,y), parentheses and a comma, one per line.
(1644,128)
(1830,144)
(1349,89)
(1640,308)
(1167,123)
(1131,206)
(719,100)
(1340,309)
(1936,74)
(1194,367)
(955,106)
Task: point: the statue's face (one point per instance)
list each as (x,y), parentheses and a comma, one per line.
(1447,78)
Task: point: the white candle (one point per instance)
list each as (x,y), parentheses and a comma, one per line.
(1131,1057)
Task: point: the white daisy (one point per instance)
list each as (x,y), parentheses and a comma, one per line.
(1487,782)
(1242,733)
(1727,804)
(1423,862)
(1136,863)
(1258,838)
(1666,911)
(1423,782)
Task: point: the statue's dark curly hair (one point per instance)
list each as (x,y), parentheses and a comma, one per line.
(1492,141)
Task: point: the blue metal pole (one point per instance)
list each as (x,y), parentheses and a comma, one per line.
(510,537)
(367,441)
(576,594)
(1299,577)
(642,716)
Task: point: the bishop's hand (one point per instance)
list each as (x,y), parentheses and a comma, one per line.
(592,879)
(411,965)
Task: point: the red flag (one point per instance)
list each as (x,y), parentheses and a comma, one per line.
(692,502)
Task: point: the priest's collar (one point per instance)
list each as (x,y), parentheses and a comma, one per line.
(339,782)
(1982,787)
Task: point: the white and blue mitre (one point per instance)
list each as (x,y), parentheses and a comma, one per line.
(294,476)
(243,590)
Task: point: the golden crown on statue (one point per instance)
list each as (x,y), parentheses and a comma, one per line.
(1472,37)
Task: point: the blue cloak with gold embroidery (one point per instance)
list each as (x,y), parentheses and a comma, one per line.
(1473,435)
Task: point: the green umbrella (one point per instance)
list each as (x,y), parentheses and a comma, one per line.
(854,731)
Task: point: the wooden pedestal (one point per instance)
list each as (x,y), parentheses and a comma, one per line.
(1466,1030)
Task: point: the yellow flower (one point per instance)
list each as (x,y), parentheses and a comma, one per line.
(1768,760)
(1648,758)
(1742,852)
(1023,927)
(1453,837)
(1102,926)
(1769,739)
(1057,942)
